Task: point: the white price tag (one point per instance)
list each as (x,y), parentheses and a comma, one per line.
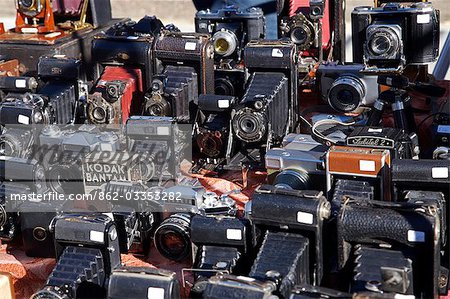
(223,103)
(365,165)
(190,46)
(439,172)
(423,19)
(97,236)
(234,234)
(306,218)
(155,293)
(21,83)
(163,131)
(416,236)
(23,119)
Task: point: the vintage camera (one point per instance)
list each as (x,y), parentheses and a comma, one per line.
(388,38)
(230,81)
(174,94)
(64,149)
(231,29)
(371,165)
(344,88)
(116,96)
(298,212)
(35,224)
(172,238)
(214,126)
(382,270)
(163,145)
(400,144)
(141,282)
(408,227)
(298,165)
(28,173)
(221,241)
(261,118)
(277,56)
(187,49)
(9,219)
(234,287)
(34,16)
(87,248)
(130,45)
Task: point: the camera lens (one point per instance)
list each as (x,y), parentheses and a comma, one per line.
(26,3)
(383,42)
(292,179)
(225,42)
(299,35)
(172,237)
(157,106)
(99,114)
(224,87)
(210,144)
(346,94)
(65,179)
(9,145)
(249,126)
(316,11)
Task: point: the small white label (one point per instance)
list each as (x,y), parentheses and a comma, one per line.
(190,46)
(163,131)
(245,278)
(223,103)
(97,236)
(439,172)
(23,119)
(29,30)
(374,130)
(155,293)
(133,37)
(423,19)
(21,83)
(234,234)
(306,218)
(365,165)
(277,53)
(106,147)
(52,35)
(416,236)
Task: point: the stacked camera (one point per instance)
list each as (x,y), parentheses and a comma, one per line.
(96,165)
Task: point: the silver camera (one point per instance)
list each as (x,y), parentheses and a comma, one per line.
(345,88)
(298,165)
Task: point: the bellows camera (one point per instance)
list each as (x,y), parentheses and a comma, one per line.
(231,29)
(345,89)
(388,38)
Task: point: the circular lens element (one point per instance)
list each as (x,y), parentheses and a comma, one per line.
(292,179)
(40,234)
(346,94)
(302,31)
(299,35)
(10,145)
(26,3)
(249,126)
(210,143)
(99,114)
(157,105)
(224,87)
(38,117)
(316,11)
(65,179)
(225,42)
(172,237)
(383,43)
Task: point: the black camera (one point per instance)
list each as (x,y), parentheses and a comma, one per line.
(409,227)
(214,126)
(388,38)
(87,248)
(344,88)
(162,144)
(174,94)
(231,29)
(299,212)
(400,144)
(230,81)
(143,282)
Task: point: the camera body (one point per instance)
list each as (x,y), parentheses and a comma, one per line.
(400,144)
(174,94)
(214,126)
(407,227)
(231,29)
(297,212)
(116,96)
(187,49)
(365,164)
(140,282)
(298,165)
(345,88)
(388,38)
